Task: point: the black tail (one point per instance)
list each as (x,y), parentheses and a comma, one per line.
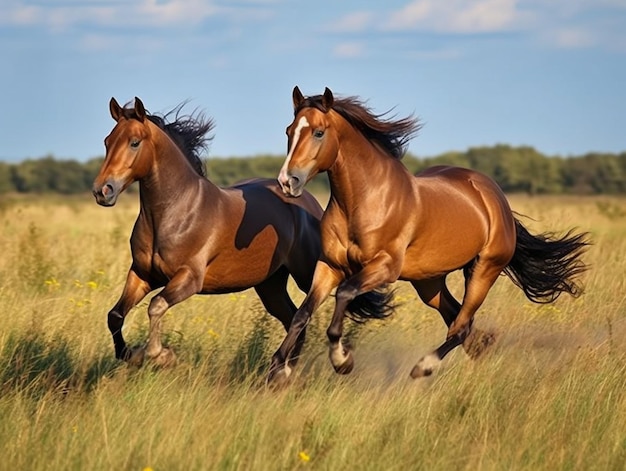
(545,265)
(377,304)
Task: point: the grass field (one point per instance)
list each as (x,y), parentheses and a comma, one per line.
(549,394)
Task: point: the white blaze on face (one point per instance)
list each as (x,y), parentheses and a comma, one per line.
(302,123)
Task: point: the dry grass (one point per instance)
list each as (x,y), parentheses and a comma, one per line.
(550,394)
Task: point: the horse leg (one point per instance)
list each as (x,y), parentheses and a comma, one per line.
(324,280)
(135,289)
(375,274)
(480,281)
(340,355)
(184,284)
(274,296)
(434,293)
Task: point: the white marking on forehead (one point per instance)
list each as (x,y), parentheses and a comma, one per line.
(302,123)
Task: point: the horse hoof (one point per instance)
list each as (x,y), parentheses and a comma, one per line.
(347,366)
(136,357)
(165,359)
(278,378)
(419,372)
(477,342)
(425,366)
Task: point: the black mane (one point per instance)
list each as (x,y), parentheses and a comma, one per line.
(391,135)
(189,133)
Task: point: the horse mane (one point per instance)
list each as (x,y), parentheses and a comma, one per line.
(391,135)
(189,132)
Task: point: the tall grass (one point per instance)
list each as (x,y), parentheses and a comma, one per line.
(550,393)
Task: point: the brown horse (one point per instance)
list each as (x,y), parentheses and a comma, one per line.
(193,237)
(384,224)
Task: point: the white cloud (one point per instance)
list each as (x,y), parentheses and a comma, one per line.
(60,16)
(443,16)
(353,22)
(458,16)
(554,23)
(571,38)
(349,50)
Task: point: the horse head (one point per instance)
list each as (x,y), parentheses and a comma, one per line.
(128,152)
(312,141)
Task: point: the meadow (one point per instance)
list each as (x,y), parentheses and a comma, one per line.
(549,394)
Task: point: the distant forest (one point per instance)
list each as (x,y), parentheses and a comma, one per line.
(516,169)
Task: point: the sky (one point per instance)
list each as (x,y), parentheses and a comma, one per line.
(550,74)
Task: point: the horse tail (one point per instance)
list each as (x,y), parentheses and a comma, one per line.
(377,304)
(545,265)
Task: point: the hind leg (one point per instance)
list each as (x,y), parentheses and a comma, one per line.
(480,280)
(434,293)
(274,296)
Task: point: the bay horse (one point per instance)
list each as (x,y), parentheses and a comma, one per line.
(384,224)
(193,237)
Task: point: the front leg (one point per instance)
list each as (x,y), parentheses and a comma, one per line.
(185,283)
(324,280)
(378,272)
(135,289)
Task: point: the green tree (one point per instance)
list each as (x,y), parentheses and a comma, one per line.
(6,182)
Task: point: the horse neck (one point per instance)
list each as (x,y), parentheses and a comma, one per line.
(361,172)
(170,180)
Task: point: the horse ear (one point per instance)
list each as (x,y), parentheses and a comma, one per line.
(298,97)
(327,99)
(115,109)
(140,110)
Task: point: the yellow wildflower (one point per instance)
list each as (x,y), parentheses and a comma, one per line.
(52,283)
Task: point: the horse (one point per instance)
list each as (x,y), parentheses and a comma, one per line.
(383,224)
(193,237)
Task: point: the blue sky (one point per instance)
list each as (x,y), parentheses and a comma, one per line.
(546,73)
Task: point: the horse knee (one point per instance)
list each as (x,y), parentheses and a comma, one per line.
(157,307)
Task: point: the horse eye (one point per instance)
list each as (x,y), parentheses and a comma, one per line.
(135,143)
(318,133)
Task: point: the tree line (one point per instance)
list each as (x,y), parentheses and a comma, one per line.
(516,169)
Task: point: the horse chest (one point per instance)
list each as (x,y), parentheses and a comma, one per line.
(160,266)
(345,250)
(350,257)
(156,263)
(355,255)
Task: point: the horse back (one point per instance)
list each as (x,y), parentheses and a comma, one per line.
(307,201)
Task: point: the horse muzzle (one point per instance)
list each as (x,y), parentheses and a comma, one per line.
(107,193)
(292,183)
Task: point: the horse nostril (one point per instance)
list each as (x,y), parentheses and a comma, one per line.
(293,181)
(107,189)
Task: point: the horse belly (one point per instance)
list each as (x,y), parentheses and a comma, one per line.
(235,268)
(440,255)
